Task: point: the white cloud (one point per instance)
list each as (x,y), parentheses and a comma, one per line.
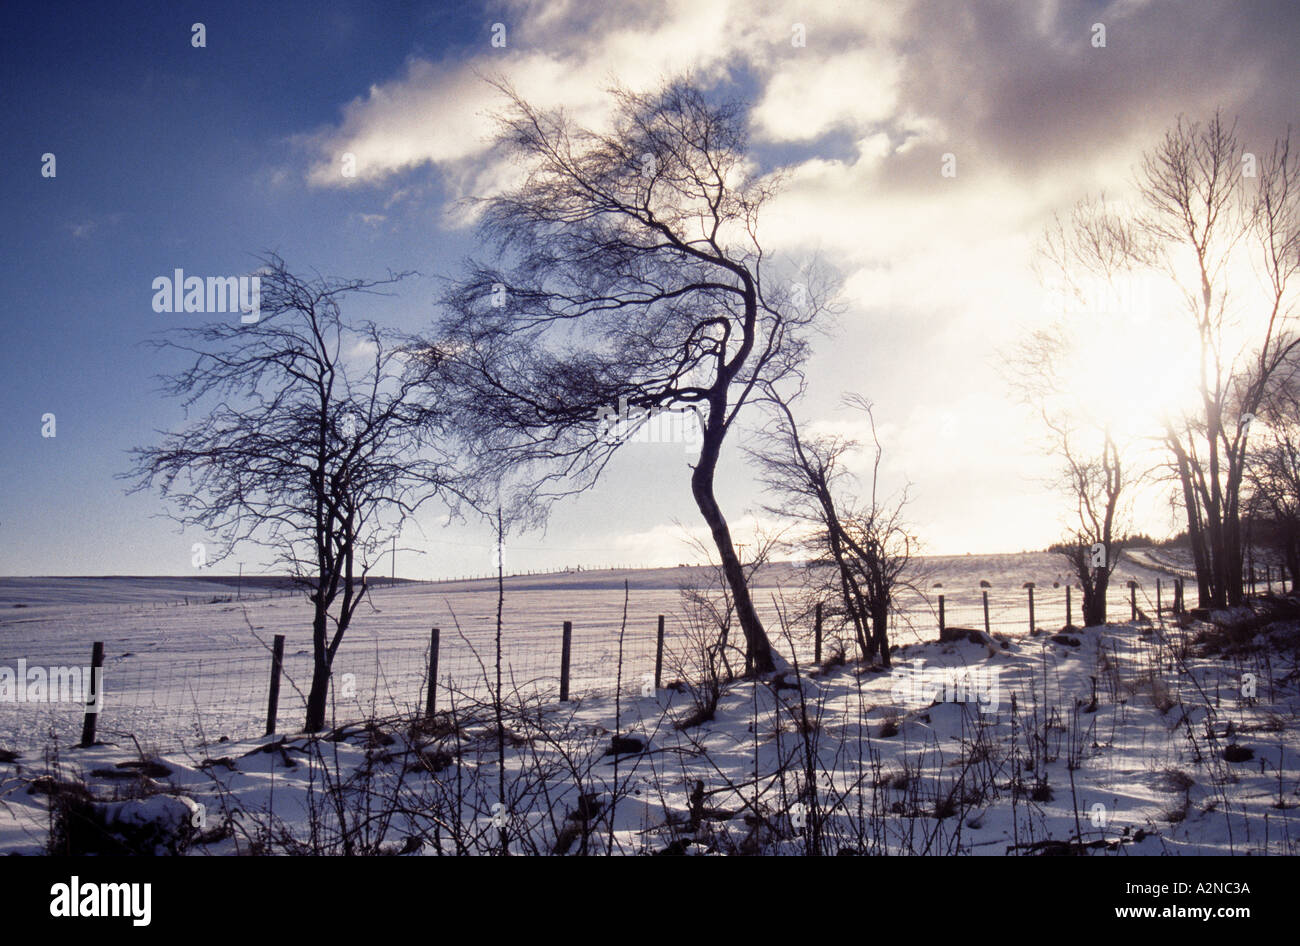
(442,113)
(937,270)
(402,124)
(814,94)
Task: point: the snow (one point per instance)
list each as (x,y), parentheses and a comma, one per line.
(1142,770)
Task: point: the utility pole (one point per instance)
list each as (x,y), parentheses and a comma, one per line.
(239,586)
(393,580)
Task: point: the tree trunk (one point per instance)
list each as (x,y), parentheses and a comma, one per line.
(1293,563)
(1235,573)
(853,603)
(1195,527)
(1094,599)
(1218,563)
(880,638)
(853,607)
(318,696)
(759,649)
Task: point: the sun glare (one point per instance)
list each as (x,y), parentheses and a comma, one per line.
(1133,359)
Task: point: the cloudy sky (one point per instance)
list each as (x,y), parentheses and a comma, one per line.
(170,155)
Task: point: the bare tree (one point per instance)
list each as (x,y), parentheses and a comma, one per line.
(1086,257)
(865,542)
(1206,219)
(1097,479)
(317,445)
(1211,214)
(627,271)
(1273,476)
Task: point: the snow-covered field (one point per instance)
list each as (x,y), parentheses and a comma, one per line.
(180,673)
(1116,735)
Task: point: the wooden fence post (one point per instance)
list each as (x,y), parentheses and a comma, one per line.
(986,613)
(817,635)
(430,701)
(659,655)
(1069,609)
(1030,586)
(941,617)
(1133,599)
(1159,607)
(564,661)
(91,717)
(273,697)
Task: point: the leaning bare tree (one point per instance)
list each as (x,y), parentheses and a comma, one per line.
(627,271)
(864,541)
(318,444)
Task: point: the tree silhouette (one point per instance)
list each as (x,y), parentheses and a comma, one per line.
(1206,224)
(319,443)
(627,270)
(864,540)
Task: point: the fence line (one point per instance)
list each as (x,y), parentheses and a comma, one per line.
(168,703)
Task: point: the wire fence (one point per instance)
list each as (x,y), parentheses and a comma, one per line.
(167,702)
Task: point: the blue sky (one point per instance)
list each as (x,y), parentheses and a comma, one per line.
(170,156)
(166,156)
